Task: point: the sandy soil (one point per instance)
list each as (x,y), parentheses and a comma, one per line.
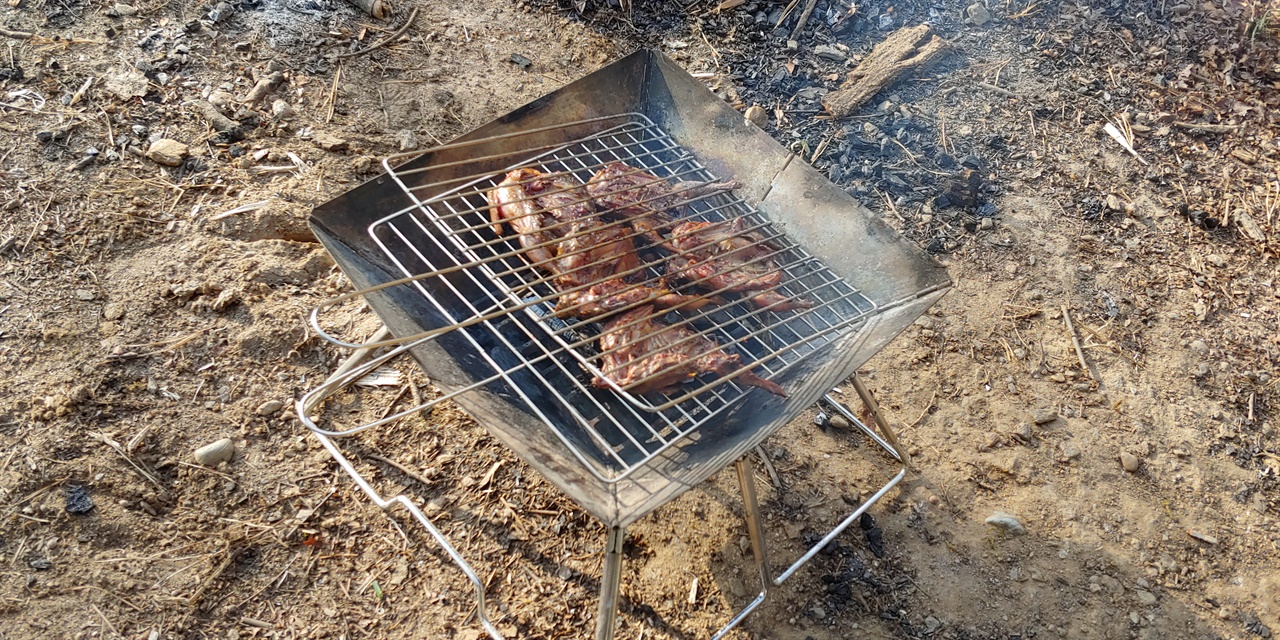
(139,321)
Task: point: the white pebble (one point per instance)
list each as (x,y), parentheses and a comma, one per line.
(215,453)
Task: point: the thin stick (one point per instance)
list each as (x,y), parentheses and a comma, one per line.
(768,466)
(804,19)
(1000,90)
(384,42)
(106,622)
(786,12)
(927,407)
(333,95)
(403,469)
(107,440)
(18,35)
(1075,340)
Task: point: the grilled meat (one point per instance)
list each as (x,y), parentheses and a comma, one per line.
(643,355)
(594,263)
(643,199)
(725,256)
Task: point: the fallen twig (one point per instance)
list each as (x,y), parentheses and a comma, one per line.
(1206,128)
(265,85)
(927,407)
(1075,340)
(147,475)
(403,469)
(385,41)
(219,122)
(905,49)
(18,35)
(804,19)
(768,466)
(1000,90)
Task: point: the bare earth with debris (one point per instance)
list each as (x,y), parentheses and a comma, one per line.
(157,165)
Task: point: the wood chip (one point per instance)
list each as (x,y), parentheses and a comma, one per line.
(1202,537)
(488,476)
(1248,226)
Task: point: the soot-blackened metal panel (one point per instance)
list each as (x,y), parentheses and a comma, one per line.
(834,227)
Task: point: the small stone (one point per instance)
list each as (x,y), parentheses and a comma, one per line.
(1200,347)
(169,153)
(40,564)
(84,294)
(818,612)
(977,14)
(269,407)
(221,99)
(1217,260)
(1070,451)
(1044,415)
(407,139)
(122,10)
(792,46)
(838,422)
(932,624)
(986,223)
(281,109)
(829,52)
(1006,523)
(756,115)
(220,12)
(521,61)
(329,142)
(1145,597)
(737,588)
(1130,462)
(1058,378)
(215,453)
(113,311)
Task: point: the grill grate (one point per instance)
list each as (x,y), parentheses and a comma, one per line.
(499,310)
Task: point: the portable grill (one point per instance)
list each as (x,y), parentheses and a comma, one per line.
(484,325)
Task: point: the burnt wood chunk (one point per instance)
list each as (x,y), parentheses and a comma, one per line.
(906,49)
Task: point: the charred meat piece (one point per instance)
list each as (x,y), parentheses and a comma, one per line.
(593,263)
(512,202)
(643,199)
(643,355)
(725,256)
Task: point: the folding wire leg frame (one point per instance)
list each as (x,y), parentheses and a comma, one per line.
(610,582)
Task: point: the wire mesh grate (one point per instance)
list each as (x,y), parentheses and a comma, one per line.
(505,315)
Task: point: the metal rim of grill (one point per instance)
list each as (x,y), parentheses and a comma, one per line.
(769,342)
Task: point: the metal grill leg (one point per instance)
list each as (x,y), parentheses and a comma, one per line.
(874,407)
(755,530)
(755,524)
(610,583)
(889,442)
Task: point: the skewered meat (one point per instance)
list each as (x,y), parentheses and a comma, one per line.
(643,199)
(594,263)
(644,355)
(725,256)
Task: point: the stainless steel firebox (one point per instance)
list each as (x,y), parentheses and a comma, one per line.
(464,302)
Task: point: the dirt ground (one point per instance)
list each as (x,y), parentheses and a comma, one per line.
(143,316)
